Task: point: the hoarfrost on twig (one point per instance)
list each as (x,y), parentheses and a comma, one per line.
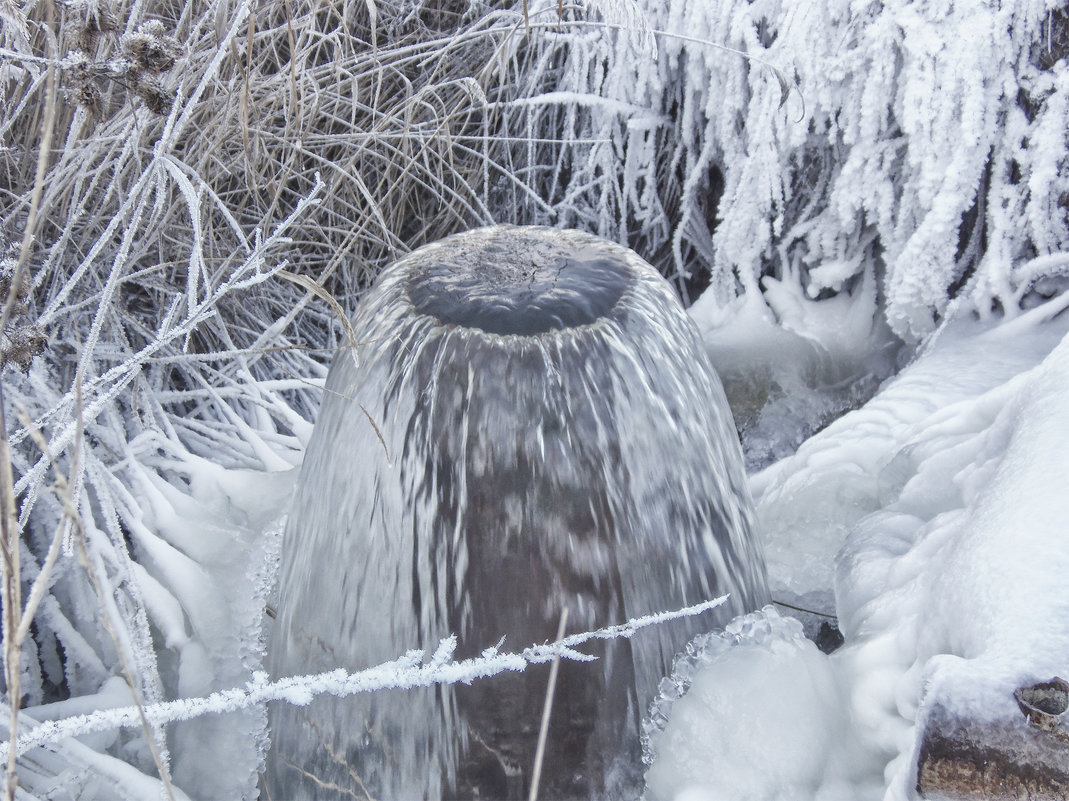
(406,672)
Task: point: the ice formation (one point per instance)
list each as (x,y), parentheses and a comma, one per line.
(752,712)
(921,519)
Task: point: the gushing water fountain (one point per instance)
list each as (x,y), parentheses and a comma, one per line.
(552,438)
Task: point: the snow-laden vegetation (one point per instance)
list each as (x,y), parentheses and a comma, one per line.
(818,146)
(188,194)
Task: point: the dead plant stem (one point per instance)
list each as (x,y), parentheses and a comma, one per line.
(12,596)
(543,729)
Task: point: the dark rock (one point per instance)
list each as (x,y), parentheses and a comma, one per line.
(1044,704)
(829,638)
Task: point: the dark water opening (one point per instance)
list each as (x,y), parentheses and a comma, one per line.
(522,286)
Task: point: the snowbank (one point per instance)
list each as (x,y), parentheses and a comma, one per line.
(932,521)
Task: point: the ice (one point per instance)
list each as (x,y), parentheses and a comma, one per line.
(932,521)
(807,502)
(790,363)
(207,540)
(534,398)
(764,717)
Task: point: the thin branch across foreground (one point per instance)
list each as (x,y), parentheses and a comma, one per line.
(407,672)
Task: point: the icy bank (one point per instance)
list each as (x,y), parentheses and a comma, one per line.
(932,521)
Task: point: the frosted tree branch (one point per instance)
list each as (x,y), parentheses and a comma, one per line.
(406,672)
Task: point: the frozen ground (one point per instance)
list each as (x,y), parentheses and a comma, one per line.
(929,520)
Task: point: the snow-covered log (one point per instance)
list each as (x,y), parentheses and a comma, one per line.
(1009,758)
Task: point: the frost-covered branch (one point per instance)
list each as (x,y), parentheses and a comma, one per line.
(407,672)
(250,272)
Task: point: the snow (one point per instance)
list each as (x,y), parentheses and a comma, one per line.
(807,502)
(931,521)
(762,717)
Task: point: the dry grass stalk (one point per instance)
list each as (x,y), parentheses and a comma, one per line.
(543,729)
(12,597)
(150,231)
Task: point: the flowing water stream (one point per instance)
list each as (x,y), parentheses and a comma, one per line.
(552,437)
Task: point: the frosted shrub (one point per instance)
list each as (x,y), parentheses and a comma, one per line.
(923,142)
(163,167)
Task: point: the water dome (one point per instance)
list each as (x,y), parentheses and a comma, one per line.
(530,425)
